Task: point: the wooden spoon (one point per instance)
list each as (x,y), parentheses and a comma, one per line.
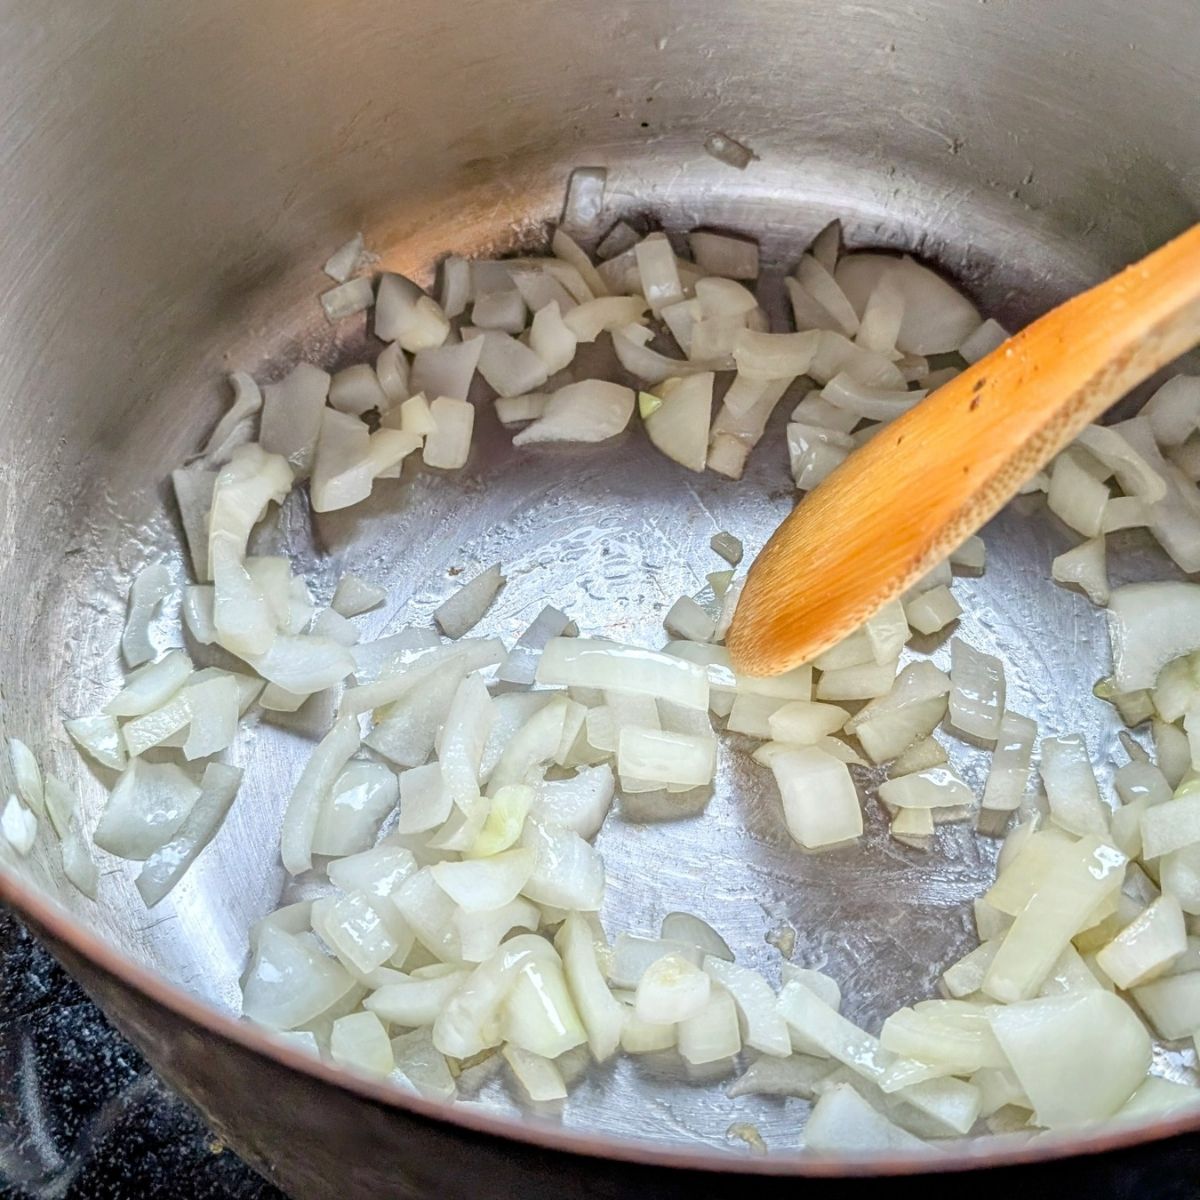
(900,504)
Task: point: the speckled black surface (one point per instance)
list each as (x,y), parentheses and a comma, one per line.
(82,1117)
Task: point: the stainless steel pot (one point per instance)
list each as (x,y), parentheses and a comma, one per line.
(173,174)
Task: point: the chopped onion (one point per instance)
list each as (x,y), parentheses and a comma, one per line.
(670,990)
(1174,410)
(1071,789)
(1052,1043)
(1172,1005)
(585,662)
(291,421)
(821,285)
(873,403)
(551,339)
(360,1042)
(724,255)
(150,587)
(977,691)
(729,151)
(657,271)
(509,366)
(566,249)
(193,489)
(1075,496)
(686,619)
(234,427)
(882,316)
(649,365)
(712,1035)
(449,446)
(771,356)
(936,788)
(485,884)
(539,1076)
(804,722)
(567,872)
(167,864)
(989,336)
(679,425)
(932,610)
(937,317)
(578,804)
(667,758)
(353,296)
(404,314)
(464,610)
(19,826)
(319,774)
(345,260)
(146,807)
(1008,775)
(446,371)
(99,738)
(602,1014)
(865,682)
(1147,946)
(304,665)
(820,802)
(290,981)
(765,1029)
(1149,625)
(591,411)
(502,312)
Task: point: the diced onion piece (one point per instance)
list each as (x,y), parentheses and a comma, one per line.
(446,371)
(502,312)
(586,662)
(770,356)
(920,756)
(551,339)
(971,555)
(304,806)
(538,1014)
(843,1123)
(729,151)
(1075,496)
(150,686)
(27,775)
(540,289)
(937,317)
(464,610)
(620,238)
(932,611)
(684,929)
(234,427)
(1147,946)
(1071,789)
(414,1002)
(99,738)
(485,884)
(803,722)
(565,248)
(354,808)
(671,989)
(820,802)
(882,316)
(686,619)
(1174,410)
(290,981)
(724,255)
(668,758)
(193,489)
(359,1042)
(291,421)
(982,341)
(591,411)
(146,807)
(356,390)
(450,445)
(602,1014)
(658,272)
(977,691)
(711,1035)
(345,260)
(1111,447)
(166,866)
(679,426)
(353,296)
(1149,625)
(1008,775)
(1172,1005)
(940,787)
(404,314)
(765,1029)
(19,826)
(837,355)
(821,285)
(865,682)
(342,471)
(1171,826)
(1076,880)
(580,803)
(213,708)
(1054,1042)
(510,367)
(567,872)
(540,1077)
(807,312)
(303,665)
(198,602)
(151,586)
(354,595)
(587,321)
(815,453)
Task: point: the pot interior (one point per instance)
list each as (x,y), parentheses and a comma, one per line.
(170,226)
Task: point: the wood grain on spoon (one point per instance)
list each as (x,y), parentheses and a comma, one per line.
(897,506)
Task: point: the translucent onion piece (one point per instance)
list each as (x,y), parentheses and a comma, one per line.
(770,356)
(213,705)
(99,738)
(481,934)
(649,365)
(591,411)
(1075,496)
(291,416)
(345,260)
(940,787)
(551,339)
(235,426)
(501,312)
(621,237)
(354,808)
(166,866)
(603,1016)
(404,314)
(1052,1043)
(1008,775)
(565,248)
(686,619)
(1110,447)
(146,807)
(1147,946)
(713,1034)
(872,403)
(932,611)
(797,1076)
(567,872)
(584,662)
(669,758)
(937,317)
(882,316)
(27,775)
(821,285)
(446,371)
(450,445)
(290,981)
(671,989)
(982,341)
(1174,410)
(1171,826)
(462,611)
(485,884)
(303,664)
(820,803)
(359,1042)
(193,487)
(304,806)
(539,289)
(342,471)
(150,686)
(151,586)
(578,804)
(540,1077)
(356,390)
(679,426)
(1149,625)
(354,595)
(724,255)
(977,692)
(658,272)
(510,367)
(18,825)
(765,1029)
(843,1123)
(1172,1005)
(353,296)
(1071,789)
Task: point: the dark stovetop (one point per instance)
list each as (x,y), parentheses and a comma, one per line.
(82,1117)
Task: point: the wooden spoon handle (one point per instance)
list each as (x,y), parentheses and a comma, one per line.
(901,503)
